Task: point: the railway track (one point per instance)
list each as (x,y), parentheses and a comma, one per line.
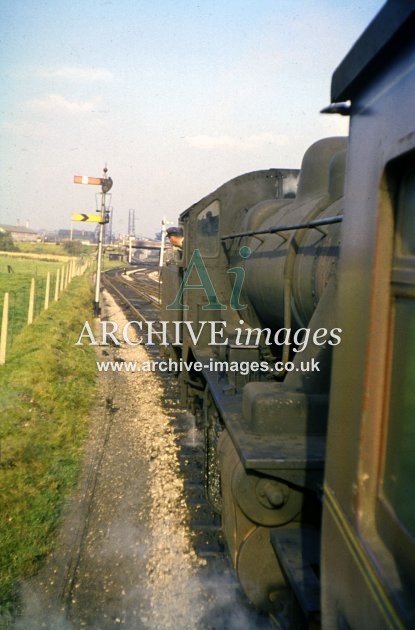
(137,292)
(138,295)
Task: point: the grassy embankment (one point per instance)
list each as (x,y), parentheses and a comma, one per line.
(46,392)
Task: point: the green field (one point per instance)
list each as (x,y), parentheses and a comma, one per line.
(46,391)
(54,249)
(31,266)
(17,283)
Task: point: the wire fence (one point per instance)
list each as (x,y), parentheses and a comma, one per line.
(28,295)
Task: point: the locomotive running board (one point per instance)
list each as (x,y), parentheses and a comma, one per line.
(298,459)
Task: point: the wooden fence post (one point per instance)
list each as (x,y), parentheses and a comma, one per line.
(31,302)
(47,291)
(57,285)
(4,325)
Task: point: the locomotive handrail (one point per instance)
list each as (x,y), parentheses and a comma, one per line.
(285,228)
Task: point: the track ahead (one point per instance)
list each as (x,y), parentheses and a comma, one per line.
(138,293)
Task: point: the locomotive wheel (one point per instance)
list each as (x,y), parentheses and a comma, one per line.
(260,573)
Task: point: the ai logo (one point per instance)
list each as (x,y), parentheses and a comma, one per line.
(196,263)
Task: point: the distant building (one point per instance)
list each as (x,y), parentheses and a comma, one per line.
(20,233)
(86,236)
(116,256)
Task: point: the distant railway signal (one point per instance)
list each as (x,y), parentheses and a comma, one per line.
(90,218)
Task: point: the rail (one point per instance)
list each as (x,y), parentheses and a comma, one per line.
(149,301)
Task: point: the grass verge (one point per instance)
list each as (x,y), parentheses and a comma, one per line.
(46,391)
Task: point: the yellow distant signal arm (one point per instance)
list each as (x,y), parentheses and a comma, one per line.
(89,218)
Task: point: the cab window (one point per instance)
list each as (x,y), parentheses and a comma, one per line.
(399,462)
(207,230)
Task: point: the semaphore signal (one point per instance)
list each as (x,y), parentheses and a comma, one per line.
(104,182)
(84,179)
(103,218)
(90,218)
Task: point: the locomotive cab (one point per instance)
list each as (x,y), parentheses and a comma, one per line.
(368,536)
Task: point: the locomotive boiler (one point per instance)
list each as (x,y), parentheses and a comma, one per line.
(304,390)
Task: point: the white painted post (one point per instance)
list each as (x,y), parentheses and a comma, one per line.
(62,278)
(163,240)
(57,285)
(4,325)
(47,291)
(31,302)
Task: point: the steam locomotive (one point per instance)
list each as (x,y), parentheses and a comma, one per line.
(291,300)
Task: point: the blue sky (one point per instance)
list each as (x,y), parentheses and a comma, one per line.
(176,96)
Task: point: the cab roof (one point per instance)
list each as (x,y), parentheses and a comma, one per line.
(388,32)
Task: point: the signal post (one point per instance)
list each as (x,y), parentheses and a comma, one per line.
(106,183)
